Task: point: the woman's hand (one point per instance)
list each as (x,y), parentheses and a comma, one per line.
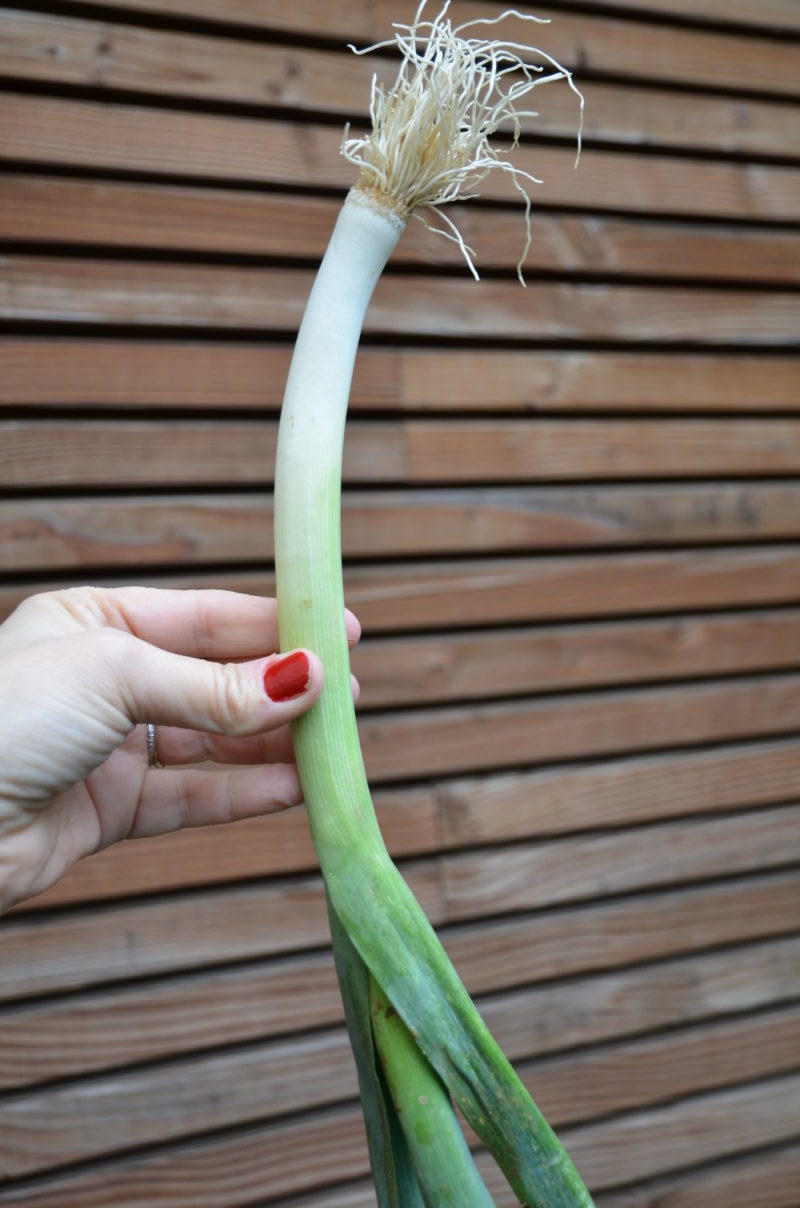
(82,670)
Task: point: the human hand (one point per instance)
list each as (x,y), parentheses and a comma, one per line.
(81,671)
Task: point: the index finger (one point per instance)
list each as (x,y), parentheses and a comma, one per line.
(203,623)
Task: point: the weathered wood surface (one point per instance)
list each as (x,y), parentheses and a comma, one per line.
(142,452)
(50,49)
(158,530)
(139,293)
(416,595)
(144,138)
(456,812)
(598,44)
(42,209)
(74,1036)
(113,373)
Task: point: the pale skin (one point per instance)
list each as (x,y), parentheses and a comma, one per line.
(83,670)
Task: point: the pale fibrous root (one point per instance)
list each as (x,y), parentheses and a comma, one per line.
(432,130)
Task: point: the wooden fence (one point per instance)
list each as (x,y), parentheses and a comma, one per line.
(571,524)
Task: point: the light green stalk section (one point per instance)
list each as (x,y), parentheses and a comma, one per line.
(447,1173)
(370,898)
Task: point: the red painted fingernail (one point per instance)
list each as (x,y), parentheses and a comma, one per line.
(287,677)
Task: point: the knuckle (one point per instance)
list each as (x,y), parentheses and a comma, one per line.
(232,702)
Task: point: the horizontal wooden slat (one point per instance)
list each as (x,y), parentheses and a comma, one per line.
(412,596)
(90,1119)
(131,373)
(162,63)
(431,742)
(44,954)
(119,453)
(396,672)
(243,1166)
(597,44)
(525,876)
(59,210)
(99,291)
(451,814)
(767,1179)
(147,139)
(116,531)
(772,15)
(72,1036)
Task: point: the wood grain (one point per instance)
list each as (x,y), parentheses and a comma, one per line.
(100,1030)
(126,942)
(58,210)
(161,530)
(436,741)
(168,373)
(50,49)
(418,595)
(142,452)
(597,44)
(46,131)
(91,1119)
(450,814)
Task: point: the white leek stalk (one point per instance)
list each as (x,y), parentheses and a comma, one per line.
(430,140)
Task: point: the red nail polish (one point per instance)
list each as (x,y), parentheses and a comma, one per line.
(287,677)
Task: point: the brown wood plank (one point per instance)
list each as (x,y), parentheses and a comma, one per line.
(46,289)
(527,589)
(131,373)
(162,63)
(242,1166)
(92,947)
(451,814)
(58,210)
(411,671)
(774,14)
(101,1030)
(44,131)
(769,1180)
(117,531)
(525,876)
(120,453)
(447,740)
(597,44)
(643,1144)
(90,1119)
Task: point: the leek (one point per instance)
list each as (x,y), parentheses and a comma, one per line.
(419,1042)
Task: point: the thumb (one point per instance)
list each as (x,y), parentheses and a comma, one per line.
(236,699)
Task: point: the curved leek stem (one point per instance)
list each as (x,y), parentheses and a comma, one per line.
(371,900)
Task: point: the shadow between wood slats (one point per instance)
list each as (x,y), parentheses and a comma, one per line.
(213,148)
(598,44)
(113,373)
(90,1119)
(160,63)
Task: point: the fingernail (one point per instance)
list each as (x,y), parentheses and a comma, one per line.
(287,677)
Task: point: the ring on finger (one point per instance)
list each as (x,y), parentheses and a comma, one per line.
(152,750)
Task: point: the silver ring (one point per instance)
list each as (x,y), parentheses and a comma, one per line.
(152,753)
